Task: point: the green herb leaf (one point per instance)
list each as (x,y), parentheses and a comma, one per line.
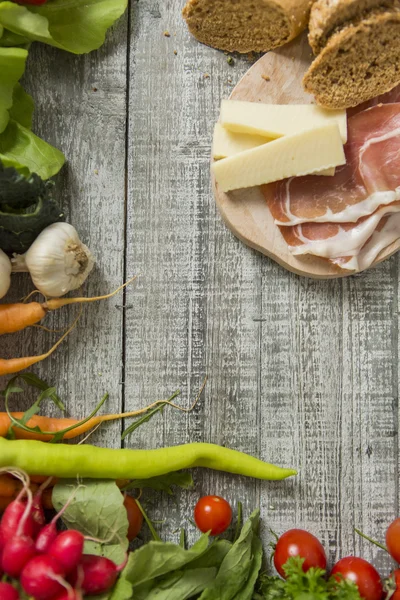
(156,559)
(97,510)
(163,483)
(71,25)
(144,419)
(235,569)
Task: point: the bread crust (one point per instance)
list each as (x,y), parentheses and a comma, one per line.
(358,63)
(246,25)
(327,16)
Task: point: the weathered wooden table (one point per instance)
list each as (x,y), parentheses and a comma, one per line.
(301,373)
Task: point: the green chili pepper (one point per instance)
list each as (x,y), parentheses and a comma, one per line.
(70,461)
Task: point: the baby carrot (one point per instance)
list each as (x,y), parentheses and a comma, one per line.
(15,317)
(70,461)
(14,365)
(51,426)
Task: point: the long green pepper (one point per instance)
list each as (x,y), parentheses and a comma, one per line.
(70,461)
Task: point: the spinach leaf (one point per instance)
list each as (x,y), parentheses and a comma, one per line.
(246,593)
(214,556)
(97,510)
(234,572)
(182,585)
(160,558)
(12,67)
(22,107)
(163,483)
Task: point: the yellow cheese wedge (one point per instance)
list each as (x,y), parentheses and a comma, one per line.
(277,120)
(227,143)
(290,156)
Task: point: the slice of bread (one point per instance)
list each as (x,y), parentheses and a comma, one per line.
(246,25)
(358,63)
(327,16)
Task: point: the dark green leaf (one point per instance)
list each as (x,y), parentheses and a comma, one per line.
(163,482)
(156,559)
(182,585)
(214,556)
(149,415)
(22,107)
(236,566)
(27,206)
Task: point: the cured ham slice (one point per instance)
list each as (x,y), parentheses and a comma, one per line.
(387,232)
(340,241)
(370,178)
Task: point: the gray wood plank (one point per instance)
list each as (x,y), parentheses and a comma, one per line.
(89,126)
(195,301)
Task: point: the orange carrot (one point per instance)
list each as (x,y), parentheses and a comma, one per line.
(15,317)
(14,365)
(50,426)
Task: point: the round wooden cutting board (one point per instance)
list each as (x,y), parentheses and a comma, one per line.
(245,211)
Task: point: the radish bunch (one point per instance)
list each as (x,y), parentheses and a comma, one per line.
(49,565)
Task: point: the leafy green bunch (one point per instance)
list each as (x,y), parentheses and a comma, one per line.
(77,26)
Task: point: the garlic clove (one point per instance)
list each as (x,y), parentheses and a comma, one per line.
(5,274)
(57,261)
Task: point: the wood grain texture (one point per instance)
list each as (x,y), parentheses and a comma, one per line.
(300,372)
(245,211)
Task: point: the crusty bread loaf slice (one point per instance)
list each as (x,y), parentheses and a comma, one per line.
(327,16)
(358,63)
(246,25)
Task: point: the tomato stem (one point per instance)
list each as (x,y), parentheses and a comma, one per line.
(371,540)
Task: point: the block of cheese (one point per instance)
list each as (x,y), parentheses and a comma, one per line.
(290,156)
(277,120)
(227,143)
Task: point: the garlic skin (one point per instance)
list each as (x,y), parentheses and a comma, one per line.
(57,261)
(5,274)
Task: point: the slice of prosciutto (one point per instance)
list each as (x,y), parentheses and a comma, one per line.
(344,243)
(370,178)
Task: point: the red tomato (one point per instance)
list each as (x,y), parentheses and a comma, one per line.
(363,574)
(297,542)
(213,514)
(135,517)
(393,540)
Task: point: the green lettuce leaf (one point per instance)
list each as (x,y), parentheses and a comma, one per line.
(26,152)
(4,118)
(12,67)
(22,107)
(97,510)
(8,39)
(182,585)
(78,26)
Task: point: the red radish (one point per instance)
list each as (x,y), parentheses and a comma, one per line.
(42,578)
(38,513)
(46,537)
(17,552)
(11,519)
(67,548)
(97,574)
(8,592)
(70,595)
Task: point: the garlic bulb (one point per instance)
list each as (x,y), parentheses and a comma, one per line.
(5,274)
(57,261)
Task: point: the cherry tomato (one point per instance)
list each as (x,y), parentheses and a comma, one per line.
(393,540)
(363,574)
(135,517)
(297,542)
(213,514)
